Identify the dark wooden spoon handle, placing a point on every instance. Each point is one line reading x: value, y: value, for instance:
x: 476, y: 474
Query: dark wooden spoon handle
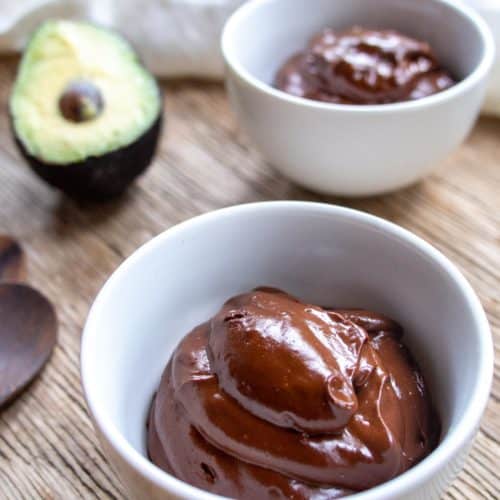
x: 12, y: 260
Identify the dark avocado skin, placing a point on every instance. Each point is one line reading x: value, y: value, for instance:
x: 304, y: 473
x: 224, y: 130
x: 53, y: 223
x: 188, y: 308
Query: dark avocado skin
x: 100, y: 178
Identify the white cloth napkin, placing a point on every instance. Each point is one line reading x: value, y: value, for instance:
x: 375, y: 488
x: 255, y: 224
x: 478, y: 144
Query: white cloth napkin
x: 174, y: 37
x: 490, y: 10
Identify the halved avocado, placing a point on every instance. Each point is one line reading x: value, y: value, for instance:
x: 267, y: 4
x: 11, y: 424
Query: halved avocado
x: 85, y: 113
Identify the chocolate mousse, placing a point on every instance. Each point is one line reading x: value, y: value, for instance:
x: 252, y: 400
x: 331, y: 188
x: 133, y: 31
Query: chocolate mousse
x: 363, y: 66
x: 275, y: 398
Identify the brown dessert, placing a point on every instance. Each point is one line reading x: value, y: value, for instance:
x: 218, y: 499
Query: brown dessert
x: 362, y: 66
x: 274, y: 398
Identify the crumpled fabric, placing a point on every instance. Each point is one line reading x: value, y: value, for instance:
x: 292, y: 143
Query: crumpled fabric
x: 490, y: 10
x: 175, y: 38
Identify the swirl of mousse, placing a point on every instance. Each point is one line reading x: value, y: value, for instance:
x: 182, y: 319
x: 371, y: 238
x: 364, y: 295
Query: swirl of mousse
x: 361, y: 66
x: 280, y: 399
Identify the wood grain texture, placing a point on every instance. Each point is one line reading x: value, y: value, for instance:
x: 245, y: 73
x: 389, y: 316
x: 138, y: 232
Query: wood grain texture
x: 47, y: 445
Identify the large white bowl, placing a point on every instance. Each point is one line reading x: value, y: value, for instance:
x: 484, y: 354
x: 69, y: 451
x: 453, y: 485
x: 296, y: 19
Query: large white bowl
x: 344, y: 149
x: 321, y: 253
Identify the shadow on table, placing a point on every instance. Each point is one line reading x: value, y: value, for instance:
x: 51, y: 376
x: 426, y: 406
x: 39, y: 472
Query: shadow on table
x: 392, y: 206
x: 72, y: 216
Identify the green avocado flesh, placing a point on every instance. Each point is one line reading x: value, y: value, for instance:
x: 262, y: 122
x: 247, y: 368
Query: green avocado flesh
x: 60, y: 56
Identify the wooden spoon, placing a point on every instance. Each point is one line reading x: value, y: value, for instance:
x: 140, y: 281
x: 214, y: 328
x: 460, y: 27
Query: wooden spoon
x: 12, y: 260
x: 28, y: 332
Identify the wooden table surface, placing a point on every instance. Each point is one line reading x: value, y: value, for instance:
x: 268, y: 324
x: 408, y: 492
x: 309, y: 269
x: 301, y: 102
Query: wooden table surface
x: 47, y: 445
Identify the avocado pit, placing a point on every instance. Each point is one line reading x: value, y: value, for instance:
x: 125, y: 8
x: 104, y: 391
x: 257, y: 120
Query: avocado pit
x: 81, y: 101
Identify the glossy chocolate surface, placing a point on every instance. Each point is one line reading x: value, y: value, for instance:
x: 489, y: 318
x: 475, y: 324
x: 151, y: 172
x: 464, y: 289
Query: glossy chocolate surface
x: 274, y: 398
x: 362, y: 66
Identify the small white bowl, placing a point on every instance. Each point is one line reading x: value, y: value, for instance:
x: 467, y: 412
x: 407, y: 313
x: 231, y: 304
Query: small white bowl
x: 344, y: 149
x: 321, y: 253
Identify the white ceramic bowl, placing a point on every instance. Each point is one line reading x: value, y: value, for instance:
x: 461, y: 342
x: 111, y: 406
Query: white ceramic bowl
x: 323, y: 254
x: 344, y: 149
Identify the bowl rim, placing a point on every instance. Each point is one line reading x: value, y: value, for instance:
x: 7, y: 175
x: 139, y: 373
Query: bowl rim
x: 463, y: 432
x: 481, y: 70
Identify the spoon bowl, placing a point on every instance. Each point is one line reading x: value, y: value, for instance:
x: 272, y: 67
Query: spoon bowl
x: 28, y: 333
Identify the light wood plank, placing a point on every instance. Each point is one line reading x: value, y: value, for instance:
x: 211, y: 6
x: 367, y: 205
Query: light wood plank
x: 47, y: 445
